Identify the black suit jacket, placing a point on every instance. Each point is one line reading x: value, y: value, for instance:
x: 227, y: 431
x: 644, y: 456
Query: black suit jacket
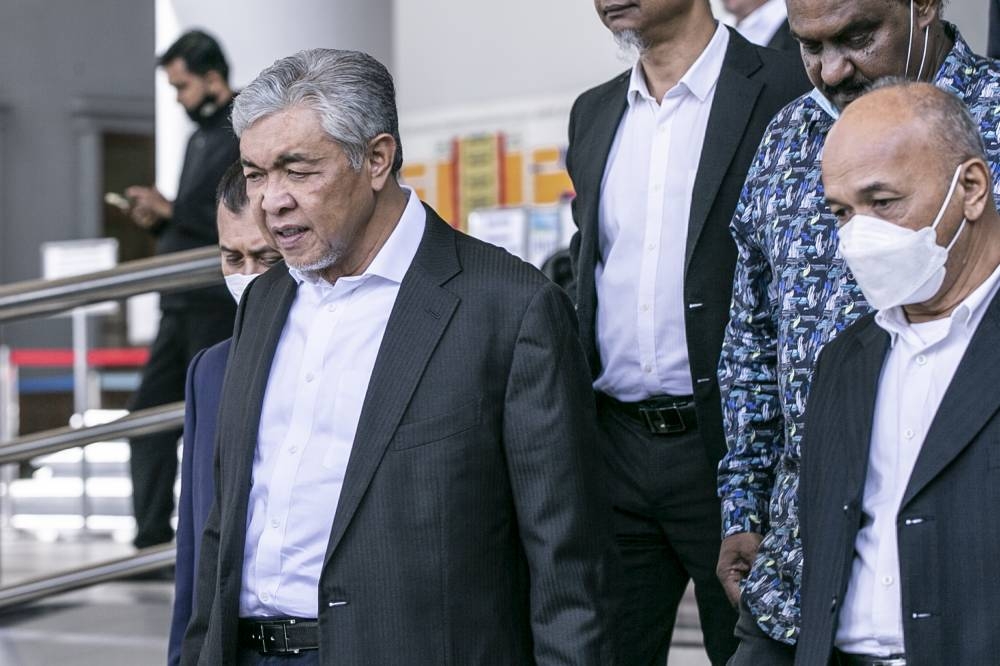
x: 947, y: 526
x: 471, y: 527
x: 783, y: 40
x: 754, y: 84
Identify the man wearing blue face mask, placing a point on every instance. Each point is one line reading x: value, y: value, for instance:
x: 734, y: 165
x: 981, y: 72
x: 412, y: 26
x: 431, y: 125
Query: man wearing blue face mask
x: 245, y: 255
x: 899, y: 464
x: 793, y: 292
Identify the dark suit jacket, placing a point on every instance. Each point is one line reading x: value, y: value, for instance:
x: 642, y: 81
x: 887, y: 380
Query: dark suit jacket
x: 204, y: 386
x: 782, y: 40
x: 947, y: 526
x: 471, y: 527
x: 754, y: 84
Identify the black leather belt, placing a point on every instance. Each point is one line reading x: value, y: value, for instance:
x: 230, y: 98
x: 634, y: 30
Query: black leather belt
x: 661, y: 415
x: 279, y: 635
x: 847, y: 659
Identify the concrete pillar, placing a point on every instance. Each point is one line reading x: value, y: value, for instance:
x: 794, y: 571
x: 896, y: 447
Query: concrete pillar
x: 255, y: 33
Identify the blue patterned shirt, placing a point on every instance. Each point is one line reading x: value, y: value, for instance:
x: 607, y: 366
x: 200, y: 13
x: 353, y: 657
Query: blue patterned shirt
x: 792, y: 294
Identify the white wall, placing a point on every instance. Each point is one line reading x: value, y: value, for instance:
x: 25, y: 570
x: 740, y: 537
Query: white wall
x: 971, y: 18
x: 255, y: 33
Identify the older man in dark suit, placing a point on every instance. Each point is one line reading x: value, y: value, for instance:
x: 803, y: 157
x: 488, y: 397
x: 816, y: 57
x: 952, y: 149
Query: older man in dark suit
x: 407, y: 470
x: 899, y: 484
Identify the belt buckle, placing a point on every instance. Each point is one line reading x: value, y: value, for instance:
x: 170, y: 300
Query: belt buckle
x: 264, y: 649
x: 658, y: 423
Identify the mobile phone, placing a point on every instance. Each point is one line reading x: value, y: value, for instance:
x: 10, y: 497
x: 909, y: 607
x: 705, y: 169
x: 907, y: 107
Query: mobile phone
x: 118, y: 201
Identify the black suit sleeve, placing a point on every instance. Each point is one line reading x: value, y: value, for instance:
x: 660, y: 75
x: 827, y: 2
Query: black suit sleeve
x: 184, y: 571
x: 550, y: 442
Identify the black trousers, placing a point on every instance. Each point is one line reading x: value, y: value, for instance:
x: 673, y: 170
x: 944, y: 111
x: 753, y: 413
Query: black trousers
x: 756, y: 647
x: 154, y: 457
x: 668, y: 529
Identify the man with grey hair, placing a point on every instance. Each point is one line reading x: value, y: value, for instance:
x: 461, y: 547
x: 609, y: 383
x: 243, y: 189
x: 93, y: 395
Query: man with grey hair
x: 898, y: 484
x: 406, y: 469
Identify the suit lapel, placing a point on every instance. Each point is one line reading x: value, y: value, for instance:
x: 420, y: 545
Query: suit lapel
x: 419, y: 318
x: 860, y: 392
x: 244, y: 385
x: 594, y: 147
x: 735, y: 96
x: 966, y: 407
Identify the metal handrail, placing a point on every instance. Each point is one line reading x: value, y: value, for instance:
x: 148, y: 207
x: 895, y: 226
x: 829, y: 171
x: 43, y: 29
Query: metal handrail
x: 146, y: 560
x: 178, y: 270
x: 141, y: 422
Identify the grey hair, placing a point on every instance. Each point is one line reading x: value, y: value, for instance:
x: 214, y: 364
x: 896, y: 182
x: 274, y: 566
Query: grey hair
x: 352, y: 92
x: 949, y: 122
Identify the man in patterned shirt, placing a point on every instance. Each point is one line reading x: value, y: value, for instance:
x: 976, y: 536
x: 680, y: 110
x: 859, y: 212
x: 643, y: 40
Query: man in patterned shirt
x: 793, y: 293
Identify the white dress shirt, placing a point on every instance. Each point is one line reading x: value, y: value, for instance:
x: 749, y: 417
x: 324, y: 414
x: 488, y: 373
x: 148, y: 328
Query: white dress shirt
x: 760, y: 25
x: 643, y: 220
x: 315, y: 390
x: 917, y: 371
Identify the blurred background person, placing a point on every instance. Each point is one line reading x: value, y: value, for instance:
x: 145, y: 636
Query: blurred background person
x: 192, y: 320
x: 763, y: 22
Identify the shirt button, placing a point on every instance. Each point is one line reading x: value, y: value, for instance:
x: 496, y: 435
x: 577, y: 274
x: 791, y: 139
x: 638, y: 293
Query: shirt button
x: 921, y: 360
x: 265, y: 597
x: 908, y: 434
x: 645, y: 308
x: 310, y: 376
x: 647, y: 369
x: 651, y: 247
x: 275, y: 523
x: 332, y: 307
x: 887, y: 580
x: 293, y: 449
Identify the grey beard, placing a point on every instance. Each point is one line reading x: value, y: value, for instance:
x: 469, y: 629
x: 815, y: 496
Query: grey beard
x: 331, y: 257
x: 630, y: 43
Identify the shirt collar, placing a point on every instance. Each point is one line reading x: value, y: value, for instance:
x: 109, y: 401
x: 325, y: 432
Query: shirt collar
x: 967, y: 315
x: 396, y: 255
x: 764, y: 20
x: 699, y: 80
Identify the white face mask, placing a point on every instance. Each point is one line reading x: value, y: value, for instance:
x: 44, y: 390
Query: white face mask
x: 237, y: 284
x: 894, y: 265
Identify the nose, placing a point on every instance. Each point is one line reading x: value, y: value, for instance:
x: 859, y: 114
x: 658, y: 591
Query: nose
x: 275, y: 198
x: 835, y: 68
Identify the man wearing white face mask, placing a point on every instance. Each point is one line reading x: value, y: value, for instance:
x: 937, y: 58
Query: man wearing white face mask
x: 245, y: 255
x: 793, y: 293
x: 898, y: 486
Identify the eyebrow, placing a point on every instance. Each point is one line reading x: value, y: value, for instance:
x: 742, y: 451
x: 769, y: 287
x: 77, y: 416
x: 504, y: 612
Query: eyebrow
x: 284, y: 160
x: 877, y: 187
x: 858, y: 25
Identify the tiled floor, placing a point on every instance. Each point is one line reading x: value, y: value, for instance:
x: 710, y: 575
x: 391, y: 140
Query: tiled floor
x: 126, y: 624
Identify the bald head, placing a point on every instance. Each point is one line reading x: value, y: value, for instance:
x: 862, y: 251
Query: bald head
x: 922, y: 111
